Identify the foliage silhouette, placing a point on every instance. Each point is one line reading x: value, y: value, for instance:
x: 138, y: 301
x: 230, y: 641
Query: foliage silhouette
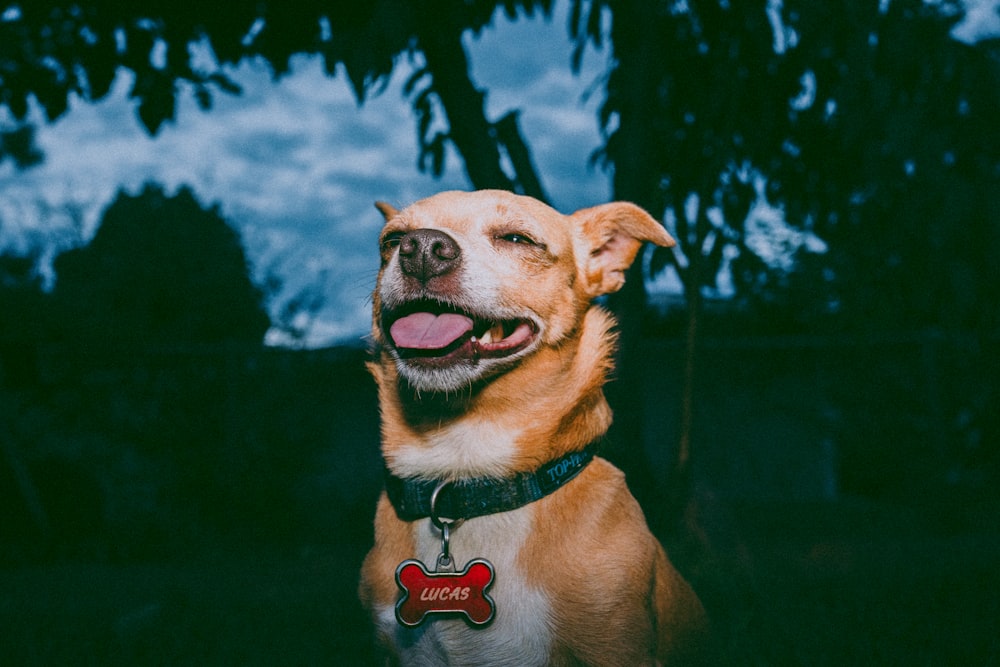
x: 896, y: 163
x: 21, y: 302
x: 844, y: 111
x: 54, y: 50
x: 19, y: 146
x: 694, y: 95
x: 873, y: 129
x: 869, y: 127
x: 160, y: 270
x: 703, y: 101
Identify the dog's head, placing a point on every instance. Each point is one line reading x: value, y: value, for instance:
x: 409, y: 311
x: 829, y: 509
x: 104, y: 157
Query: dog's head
x: 472, y: 283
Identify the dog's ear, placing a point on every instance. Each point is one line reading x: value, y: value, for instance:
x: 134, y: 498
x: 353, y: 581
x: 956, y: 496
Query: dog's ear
x: 388, y: 211
x: 610, y: 236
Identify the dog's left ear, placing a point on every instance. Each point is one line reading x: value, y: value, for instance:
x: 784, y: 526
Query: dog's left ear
x: 388, y: 211
x: 610, y: 236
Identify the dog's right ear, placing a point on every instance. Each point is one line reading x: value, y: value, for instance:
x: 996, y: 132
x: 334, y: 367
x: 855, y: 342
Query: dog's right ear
x: 611, y: 235
x: 388, y: 211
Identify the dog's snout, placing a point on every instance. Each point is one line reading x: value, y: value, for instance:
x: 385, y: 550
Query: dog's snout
x: 428, y: 253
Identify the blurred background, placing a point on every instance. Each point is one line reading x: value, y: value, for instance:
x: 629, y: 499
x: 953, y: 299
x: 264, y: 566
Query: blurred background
x: 806, y: 393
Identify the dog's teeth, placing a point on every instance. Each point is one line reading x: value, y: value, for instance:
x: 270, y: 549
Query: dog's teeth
x: 491, y: 335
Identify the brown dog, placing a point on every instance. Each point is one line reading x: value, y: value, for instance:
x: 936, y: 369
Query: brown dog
x: 490, y: 360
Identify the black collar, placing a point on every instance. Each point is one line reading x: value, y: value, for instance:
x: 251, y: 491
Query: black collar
x: 479, y: 496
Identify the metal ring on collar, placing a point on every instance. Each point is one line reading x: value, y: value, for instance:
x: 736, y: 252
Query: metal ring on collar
x: 440, y: 521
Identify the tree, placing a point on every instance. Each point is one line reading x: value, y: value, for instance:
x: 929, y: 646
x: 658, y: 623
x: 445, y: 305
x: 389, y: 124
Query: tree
x: 55, y: 49
x: 860, y: 120
x: 21, y: 299
x: 898, y: 168
x: 160, y: 270
x: 438, y: 27
x: 829, y: 105
x: 897, y: 165
x: 696, y: 97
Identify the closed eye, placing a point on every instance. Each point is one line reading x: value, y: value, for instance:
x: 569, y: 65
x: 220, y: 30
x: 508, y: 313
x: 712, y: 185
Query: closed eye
x: 390, y: 241
x: 517, y: 238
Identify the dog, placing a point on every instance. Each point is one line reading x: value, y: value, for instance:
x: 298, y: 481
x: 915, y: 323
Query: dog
x: 489, y: 356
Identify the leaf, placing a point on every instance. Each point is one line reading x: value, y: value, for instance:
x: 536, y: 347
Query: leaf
x: 358, y: 76
x: 413, y: 80
x: 432, y: 155
x: 16, y: 98
x: 51, y: 92
x: 713, y: 262
x: 594, y: 24
x: 157, y: 100
x: 575, y: 12
x: 139, y: 43
x: 438, y: 151
x: 99, y: 64
x: 19, y: 144
x: 737, y: 199
x: 225, y: 84
x: 203, y: 97
x: 424, y: 110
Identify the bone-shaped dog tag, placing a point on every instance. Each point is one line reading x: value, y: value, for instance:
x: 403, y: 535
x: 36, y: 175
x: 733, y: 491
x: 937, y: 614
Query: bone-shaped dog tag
x: 425, y: 593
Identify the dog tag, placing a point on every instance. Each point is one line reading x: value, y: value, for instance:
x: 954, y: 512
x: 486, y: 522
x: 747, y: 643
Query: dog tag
x: 427, y: 593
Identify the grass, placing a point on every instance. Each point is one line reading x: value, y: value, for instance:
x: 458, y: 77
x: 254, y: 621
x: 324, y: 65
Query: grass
x: 235, y: 611
x: 841, y: 584
x: 849, y: 584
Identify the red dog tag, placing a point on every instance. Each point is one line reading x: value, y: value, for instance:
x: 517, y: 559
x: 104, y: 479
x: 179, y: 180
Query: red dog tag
x: 444, y: 592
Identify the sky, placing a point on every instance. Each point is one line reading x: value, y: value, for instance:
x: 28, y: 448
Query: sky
x: 296, y: 166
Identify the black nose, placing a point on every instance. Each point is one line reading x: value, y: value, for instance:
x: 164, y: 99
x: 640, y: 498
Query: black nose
x: 428, y: 253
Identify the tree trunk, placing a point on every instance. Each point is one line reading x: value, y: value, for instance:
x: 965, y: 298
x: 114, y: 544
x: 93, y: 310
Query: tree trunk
x: 26, y: 486
x: 476, y: 139
x: 632, y: 181
x: 680, y: 484
x: 509, y: 134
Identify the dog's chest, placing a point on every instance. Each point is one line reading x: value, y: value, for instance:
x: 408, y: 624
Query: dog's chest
x: 519, y: 633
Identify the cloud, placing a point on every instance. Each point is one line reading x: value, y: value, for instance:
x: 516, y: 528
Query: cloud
x: 558, y: 119
x: 981, y: 21
x: 296, y: 164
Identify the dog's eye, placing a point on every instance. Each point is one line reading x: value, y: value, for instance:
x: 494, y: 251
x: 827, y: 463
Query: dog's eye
x: 517, y: 238
x: 390, y: 241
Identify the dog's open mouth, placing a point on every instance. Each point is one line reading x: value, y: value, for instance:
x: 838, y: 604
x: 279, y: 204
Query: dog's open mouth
x: 432, y: 330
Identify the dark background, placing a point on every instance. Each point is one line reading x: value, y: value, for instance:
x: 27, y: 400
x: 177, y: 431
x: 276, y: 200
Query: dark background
x: 820, y: 451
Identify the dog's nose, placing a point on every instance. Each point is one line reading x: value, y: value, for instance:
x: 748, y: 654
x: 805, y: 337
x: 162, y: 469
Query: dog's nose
x: 428, y: 253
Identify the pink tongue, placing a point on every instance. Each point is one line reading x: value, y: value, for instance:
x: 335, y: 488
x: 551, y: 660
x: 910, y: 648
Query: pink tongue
x: 427, y: 331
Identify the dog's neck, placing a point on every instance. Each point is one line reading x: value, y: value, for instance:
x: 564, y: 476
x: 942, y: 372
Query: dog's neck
x: 551, y: 403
